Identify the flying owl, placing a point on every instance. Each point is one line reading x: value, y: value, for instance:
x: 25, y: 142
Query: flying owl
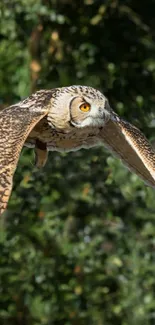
x: 68, y: 119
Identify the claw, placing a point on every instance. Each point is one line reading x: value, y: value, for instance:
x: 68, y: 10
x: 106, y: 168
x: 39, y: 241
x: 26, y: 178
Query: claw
x: 41, y: 154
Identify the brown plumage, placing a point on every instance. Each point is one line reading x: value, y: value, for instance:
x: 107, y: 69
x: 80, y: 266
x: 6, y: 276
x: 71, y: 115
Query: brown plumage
x: 67, y: 119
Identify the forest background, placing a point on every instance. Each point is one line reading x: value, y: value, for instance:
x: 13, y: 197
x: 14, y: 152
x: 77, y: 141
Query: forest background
x: 77, y: 242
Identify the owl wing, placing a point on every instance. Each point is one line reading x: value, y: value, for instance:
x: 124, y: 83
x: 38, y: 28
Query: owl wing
x: 130, y: 145
x: 16, y: 122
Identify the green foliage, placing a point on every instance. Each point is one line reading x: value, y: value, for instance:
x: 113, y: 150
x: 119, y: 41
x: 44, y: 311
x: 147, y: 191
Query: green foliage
x: 77, y: 241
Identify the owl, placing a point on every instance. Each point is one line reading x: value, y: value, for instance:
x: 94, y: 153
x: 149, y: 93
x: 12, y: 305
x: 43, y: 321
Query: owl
x: 68, y: 119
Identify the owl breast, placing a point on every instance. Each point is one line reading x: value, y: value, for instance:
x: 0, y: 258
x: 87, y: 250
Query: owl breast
x: 60, y: 140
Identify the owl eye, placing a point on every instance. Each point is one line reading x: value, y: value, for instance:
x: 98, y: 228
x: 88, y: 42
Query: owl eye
x: 85, y: 107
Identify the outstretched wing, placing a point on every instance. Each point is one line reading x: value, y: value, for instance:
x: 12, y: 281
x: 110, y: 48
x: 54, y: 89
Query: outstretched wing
x: 16, y: 122
x: 129, y: 144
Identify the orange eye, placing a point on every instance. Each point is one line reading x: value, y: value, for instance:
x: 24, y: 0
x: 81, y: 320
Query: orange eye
x: 85, y: 107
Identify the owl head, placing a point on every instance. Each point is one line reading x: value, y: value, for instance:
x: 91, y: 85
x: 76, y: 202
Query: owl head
x: 78, y: 106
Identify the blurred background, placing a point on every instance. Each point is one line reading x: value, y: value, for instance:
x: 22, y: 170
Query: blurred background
x: 77, y: 242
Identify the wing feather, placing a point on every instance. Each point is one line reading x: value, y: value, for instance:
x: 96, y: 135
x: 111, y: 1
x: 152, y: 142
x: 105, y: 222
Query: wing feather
x: 16, y: 122
x: 131, y: 146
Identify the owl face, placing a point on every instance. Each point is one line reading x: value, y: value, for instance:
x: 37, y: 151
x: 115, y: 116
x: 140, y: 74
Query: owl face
x: 79, y: 107
x: 86, y: 111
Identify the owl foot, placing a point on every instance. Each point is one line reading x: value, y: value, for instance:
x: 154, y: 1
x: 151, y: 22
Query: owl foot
x: 41, y: 154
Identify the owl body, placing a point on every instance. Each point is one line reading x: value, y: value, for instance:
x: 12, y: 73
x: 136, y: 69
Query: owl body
x: 57, y: 140
x: 69, y: 129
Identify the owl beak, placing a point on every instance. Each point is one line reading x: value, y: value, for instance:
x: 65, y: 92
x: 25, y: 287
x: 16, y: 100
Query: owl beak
x: 105, y: 111
x: 107, y: 106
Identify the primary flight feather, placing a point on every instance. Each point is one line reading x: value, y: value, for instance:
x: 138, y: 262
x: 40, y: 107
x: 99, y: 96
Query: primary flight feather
x: 68, y: 118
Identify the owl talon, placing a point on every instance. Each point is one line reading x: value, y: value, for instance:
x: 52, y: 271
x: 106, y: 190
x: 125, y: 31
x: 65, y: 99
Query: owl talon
x: 41, y: 154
